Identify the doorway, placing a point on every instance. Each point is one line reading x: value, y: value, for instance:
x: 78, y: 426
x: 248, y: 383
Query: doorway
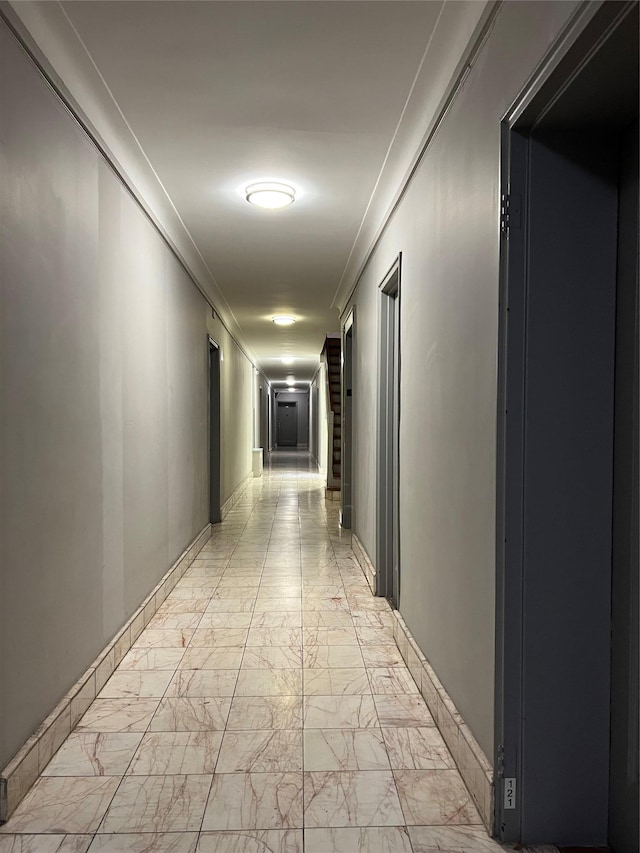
x: 287, y: 426
x: 567, y: 525
x: 214, y: 432
x: 388, y: 546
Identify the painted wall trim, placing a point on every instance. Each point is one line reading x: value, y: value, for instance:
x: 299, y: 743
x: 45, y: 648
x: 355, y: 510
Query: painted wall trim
x: 345, y: 291
x: 20, y: 32
x: 578, y: 20
x: 28, y: 763
x: 472, y: 763
x: 237, y: 493
x: 366, y: 563
x: 556, y: 53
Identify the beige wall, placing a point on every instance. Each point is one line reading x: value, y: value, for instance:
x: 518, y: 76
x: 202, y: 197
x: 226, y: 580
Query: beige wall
x: 447, y: 229
x: 103, y: 402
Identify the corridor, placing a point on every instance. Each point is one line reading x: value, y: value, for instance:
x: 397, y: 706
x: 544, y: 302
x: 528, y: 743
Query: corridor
x: 265, y: 708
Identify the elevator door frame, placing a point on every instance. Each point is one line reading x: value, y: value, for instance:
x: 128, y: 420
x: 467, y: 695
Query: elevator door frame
x: 588, y: 29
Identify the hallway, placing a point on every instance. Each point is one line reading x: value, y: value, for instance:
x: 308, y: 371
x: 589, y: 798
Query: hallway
x: 265, y: 708
x: 408, y: 231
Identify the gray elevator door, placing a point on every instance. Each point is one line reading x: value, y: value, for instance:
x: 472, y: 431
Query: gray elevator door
x: 287, y: 424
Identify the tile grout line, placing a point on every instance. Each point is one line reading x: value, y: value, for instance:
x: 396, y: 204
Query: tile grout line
x: 206, y: 802
x: 302, y: 684
x: 350, y: 591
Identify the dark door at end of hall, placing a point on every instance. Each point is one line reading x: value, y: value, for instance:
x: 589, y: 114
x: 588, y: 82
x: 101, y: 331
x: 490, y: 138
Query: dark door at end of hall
x: 287, y: 425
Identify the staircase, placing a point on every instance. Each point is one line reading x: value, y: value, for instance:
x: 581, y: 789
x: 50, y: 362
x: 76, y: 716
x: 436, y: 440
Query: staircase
x: 332, y: 356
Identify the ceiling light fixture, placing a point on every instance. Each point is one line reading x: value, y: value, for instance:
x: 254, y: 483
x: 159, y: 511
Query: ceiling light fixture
x: 283, y: 320
x: 270, y: 195
x: 287, y: 360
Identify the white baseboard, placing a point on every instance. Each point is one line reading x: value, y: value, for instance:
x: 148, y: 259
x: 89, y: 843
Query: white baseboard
x: 28, y: 763
x: 473, y: 765
x: 229, y: 504
x: 365, y: 562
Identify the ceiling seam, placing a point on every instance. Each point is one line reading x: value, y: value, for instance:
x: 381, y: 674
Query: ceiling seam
x: 65, y: 98
x: 388, y: 152
x: 143, y: 152
x: 453, y: 91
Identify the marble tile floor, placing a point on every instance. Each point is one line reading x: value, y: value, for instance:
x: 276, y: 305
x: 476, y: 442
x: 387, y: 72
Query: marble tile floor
x: 265, y: 709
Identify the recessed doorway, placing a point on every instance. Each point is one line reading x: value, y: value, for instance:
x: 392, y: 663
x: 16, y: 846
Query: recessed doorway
x: 287, y: 425
x: 388, y: 487
x: 214, y: 432
x: 567, y: 535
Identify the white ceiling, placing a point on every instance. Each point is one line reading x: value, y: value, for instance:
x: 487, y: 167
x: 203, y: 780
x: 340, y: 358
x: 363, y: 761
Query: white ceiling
x: 219, y: 94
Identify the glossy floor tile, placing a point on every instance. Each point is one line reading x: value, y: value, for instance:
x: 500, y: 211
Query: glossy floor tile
x: 265, y: 708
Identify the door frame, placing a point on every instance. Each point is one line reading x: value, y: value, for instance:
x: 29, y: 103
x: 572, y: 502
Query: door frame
x: 215, y: 459
x: 347, y: 514
x: 388, y: 428
x: 583, y: 34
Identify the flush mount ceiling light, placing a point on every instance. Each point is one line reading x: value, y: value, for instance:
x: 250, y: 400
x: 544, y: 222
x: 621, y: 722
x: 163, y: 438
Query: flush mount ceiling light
x: 283, y: 320
x: 270, y: 195
x: 287, y: 360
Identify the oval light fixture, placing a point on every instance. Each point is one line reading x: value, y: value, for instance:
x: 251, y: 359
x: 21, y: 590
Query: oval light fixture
x: 270, y: 195
x: 283, y: 320
x: 287, y: 360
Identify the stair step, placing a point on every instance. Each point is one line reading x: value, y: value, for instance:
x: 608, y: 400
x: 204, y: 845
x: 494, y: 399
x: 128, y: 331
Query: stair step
x: 333, y: 357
